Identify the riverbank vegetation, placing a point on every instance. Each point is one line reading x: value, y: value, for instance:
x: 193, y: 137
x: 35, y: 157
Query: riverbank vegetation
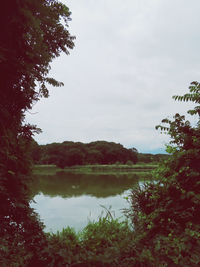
x: 95, y: 169
x: 101, y: 243
x: 70, y: 153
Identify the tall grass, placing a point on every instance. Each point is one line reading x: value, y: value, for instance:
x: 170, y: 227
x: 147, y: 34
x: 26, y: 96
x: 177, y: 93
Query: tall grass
x: 100, y: 243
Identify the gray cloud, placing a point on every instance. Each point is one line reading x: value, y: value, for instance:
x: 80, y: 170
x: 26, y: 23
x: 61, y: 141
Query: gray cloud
x: 130, y: 58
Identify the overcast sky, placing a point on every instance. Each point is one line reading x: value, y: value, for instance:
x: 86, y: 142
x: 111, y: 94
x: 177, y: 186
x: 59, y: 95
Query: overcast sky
x: 130, y: 57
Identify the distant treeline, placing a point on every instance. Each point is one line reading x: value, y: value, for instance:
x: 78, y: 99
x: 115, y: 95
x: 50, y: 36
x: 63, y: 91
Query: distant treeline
x: 71, y: 153
x: 150, y: 158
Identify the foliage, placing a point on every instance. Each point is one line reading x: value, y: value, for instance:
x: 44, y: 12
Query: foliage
x: 77, y: 153
x: 31, y: 36
x: 35, y: 152
x: 99, y: 152
x: 152, y: 158
x: 98, y: 244
x: 166, y: 214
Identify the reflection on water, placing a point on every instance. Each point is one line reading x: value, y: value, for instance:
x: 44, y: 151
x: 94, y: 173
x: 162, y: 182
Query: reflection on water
x: 73, y: 199
x: 72, y: 184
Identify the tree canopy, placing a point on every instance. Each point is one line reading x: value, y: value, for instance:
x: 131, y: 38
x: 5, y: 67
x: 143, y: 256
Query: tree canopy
x: 33, y: 33
x: 77, y: 153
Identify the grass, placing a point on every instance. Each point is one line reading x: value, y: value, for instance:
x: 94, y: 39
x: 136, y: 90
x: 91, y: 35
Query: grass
x: 99, y: 244
x: 96, y: 169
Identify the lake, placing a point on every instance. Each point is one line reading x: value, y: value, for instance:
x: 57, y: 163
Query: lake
x: 72, y: 199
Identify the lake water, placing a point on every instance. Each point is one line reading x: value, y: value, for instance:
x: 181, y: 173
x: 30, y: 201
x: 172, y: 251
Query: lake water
x: 69, y: 199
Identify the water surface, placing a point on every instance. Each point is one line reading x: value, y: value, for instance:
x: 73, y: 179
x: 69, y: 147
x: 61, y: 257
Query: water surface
x: 70, y: 199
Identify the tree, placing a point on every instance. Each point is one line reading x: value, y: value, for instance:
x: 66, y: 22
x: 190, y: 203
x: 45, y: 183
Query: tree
x: 32, y: 35
x: 93, y: 156
x: 74, y: 157
x: 166, y: 214
x: 36, y: 152
x: 100, y: 152
x: 133, y: 155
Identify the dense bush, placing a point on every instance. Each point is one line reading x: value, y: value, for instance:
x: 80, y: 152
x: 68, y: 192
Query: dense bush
x: 166, y: 214
x: 98, y: 244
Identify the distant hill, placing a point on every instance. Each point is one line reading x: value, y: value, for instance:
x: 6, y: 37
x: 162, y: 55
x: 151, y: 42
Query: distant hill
x: 150, y: 158
x: 70, y: 153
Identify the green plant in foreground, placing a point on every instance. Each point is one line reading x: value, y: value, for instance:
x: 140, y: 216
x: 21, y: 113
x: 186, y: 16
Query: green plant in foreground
x: 98, y: 244
x: 27, y: 47
x: 166, y: 214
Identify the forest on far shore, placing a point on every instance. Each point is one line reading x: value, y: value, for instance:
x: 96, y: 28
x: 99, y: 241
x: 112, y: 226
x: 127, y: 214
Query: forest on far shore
x: 70, y: 153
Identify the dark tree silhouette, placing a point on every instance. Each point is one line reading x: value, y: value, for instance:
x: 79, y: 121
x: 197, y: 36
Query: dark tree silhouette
x: 32, y: 35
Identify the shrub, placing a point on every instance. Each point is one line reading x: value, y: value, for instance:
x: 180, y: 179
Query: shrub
x: 166, y: 214
x: 98, y: 244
